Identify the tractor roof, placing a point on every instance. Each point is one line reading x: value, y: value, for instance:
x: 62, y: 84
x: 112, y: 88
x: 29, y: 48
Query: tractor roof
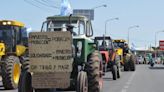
x: 66, y: 18
x: 101, y: 38
x: 12, y: 23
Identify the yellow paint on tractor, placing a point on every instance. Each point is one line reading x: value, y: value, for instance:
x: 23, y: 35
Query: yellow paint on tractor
x: 20, y: 50
x: 16, y: 72
x: 120, y: 53
x: 2, y: 49
x: 120, y: 50
x: 12, y: 23
x: 119, y: 40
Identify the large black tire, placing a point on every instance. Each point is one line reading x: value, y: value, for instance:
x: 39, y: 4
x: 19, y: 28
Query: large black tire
x: 126, y: 66
x: 126, y: 62
x: 104, y: 68
x: 11, y: 69
x: 93, y: 72
x: 82, y: 82
x: 25, y: 84
x: 132, y: 63
x: 118, y: 71
x: 114, y: 72
x: 152, y: 64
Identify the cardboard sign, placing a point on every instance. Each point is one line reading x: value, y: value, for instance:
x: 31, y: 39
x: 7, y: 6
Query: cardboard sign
x: 50, y: 80
x: 50, y: 51
x: 51, y: 59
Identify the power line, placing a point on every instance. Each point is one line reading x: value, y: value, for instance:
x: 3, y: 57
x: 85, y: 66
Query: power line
x: 35, y: 5
x: 43, y: 3
x: 52, y: 2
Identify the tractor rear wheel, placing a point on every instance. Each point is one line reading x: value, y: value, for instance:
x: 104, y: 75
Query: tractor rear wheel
x: 94, y: 73
x: 114, y: 72
x: 82, y: 82
x: 132, y: 63
x: 11, y: 70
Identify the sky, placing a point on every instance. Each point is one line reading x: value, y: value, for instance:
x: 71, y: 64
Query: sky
x: 147, y: 14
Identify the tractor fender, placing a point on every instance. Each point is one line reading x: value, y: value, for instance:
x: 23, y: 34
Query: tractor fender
x: 105, y: 56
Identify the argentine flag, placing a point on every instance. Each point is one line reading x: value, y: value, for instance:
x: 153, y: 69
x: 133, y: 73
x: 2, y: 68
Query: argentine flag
x: 133, y: 47
x: 65, y: 8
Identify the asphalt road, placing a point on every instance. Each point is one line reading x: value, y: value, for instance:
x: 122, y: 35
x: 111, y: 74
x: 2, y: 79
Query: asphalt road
x: 144, y: 79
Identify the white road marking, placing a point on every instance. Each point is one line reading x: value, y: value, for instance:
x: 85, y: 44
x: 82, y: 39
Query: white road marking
x: 128, y: 83
x: 123, y: 90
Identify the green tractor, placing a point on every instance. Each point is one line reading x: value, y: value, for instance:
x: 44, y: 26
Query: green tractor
x: 62, y: 57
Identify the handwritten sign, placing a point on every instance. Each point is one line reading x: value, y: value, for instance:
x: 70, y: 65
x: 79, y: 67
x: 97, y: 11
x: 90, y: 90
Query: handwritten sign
x: 50, y: 51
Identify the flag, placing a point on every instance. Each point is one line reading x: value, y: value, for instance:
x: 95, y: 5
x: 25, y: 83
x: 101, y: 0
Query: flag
x: 65, y: 8
x: 133, y: 47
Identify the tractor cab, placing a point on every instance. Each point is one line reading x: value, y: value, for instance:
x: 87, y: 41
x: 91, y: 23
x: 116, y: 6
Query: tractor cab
x: 12, y: 33
x: 119, y: 43
x: 77, y: 25
x: 104, y: 43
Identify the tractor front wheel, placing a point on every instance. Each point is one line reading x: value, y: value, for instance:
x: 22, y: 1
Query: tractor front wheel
x: 11, y: 70
x: 82, y: 82
x: 114, y: 72
x: 118, y: 71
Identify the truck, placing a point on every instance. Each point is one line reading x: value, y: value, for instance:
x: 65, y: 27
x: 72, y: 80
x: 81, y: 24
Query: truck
x: 62, y: 57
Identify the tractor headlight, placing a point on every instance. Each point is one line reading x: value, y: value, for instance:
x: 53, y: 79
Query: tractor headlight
x: 9, y: 23
x: 4, y: 23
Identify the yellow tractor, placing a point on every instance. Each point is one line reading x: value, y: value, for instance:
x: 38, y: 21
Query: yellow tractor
x: 119, y: 44
x: 128, y: 59
x: 13, y: 49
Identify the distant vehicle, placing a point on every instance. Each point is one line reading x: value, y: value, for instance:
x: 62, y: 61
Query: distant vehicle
x: 140, y: 60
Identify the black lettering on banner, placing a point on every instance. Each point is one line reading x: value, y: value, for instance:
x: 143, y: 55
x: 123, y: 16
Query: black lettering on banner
x: 39, y: 42
x: 45, y: 67
x: 67, y: 51
x: 63, y: 67
x: 33, y: 67
x: 62, y: 57
x: 59, y: 39
x: 38, y: 37
x: 54, y: 67
x: 40, y: 55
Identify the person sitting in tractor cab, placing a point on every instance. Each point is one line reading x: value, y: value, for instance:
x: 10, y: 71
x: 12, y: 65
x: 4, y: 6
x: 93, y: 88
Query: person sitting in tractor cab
x: 125, y: 49
x: 104, y: 43
x: 103, y: 46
